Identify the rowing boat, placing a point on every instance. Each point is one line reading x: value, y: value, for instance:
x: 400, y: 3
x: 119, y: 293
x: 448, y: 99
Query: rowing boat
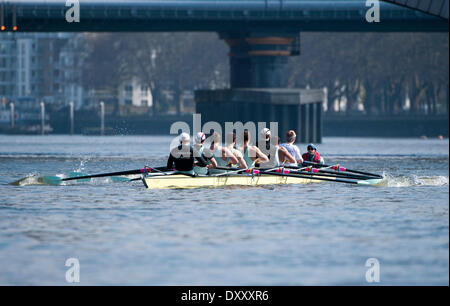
x: 160, y: 178
x: 182, y: 181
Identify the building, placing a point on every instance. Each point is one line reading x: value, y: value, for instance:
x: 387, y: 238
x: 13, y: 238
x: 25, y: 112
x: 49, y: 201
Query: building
x: 135, y: 98
x: 134, y: 93
x: 38, y: 67
x: 130, y: 98
x: 8, y: 65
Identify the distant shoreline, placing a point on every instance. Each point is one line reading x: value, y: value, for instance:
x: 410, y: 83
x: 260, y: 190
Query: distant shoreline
x: 333, y: 126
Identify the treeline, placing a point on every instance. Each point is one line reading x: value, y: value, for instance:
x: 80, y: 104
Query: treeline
x: 172, y: 62
x: 371, y: 73
x: 379, y: 73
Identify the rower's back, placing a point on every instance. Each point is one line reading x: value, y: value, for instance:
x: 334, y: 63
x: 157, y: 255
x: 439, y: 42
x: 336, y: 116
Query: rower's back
x: 292, y: 148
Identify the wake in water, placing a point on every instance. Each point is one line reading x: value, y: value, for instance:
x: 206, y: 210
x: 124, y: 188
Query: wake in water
x: 414, y: 181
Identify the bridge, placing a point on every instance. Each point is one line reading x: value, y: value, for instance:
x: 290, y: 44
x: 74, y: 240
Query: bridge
x: 224, y: 15
x: 261, y: 35
x: 432, y: 7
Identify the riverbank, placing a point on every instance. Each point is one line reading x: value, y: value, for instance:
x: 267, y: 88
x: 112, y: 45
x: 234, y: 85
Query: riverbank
x: 340, y: 126
x: 386, y: 126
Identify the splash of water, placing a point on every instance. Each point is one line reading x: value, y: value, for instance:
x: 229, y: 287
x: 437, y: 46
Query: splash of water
x: 414, y: 180
x: 82, y: 165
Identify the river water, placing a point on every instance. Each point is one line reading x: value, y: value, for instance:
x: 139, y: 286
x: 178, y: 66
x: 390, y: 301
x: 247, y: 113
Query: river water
x: 316, y: 234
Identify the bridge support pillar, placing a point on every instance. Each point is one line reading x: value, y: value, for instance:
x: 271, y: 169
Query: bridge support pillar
x: 259, y: 81
x: 291, y: 109
x: 259, y: 60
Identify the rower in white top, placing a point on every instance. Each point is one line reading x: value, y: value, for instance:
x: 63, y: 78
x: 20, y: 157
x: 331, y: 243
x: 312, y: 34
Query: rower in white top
x: 221, y: 155
x: 199, y: 141
x: 279, y: 156
x: 292, y: 148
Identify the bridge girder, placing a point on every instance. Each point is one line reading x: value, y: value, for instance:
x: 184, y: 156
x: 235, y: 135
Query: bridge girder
x: 219, y: 16
x: 433, y: 7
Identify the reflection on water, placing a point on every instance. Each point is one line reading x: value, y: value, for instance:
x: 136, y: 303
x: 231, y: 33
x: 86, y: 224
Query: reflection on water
x: 293, y: 234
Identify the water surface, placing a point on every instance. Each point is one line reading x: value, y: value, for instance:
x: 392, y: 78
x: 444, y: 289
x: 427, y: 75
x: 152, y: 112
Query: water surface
x: 315, y: 234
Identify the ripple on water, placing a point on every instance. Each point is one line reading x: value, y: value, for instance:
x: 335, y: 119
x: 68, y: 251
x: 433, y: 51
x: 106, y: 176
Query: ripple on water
x: 284, y: 235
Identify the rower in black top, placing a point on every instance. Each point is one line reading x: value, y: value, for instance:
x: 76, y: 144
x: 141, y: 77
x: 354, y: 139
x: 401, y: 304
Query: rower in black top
x: 183, y: 157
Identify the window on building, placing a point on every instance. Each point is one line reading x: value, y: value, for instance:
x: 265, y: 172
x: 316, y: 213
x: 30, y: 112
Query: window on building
x: 128, y: 88
x: 144, y: 102
x: 128, y: 102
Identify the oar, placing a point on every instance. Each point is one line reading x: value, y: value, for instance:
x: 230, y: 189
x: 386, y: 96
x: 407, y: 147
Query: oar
x: 232, y: 170
x: 55, y: 180
x: 161, y: 173
x: 329, y: 173
x: 313, y: 177
x: 337, y: 168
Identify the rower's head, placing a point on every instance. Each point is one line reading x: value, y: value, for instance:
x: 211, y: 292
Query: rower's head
x: 215, y: 141
x: 312, y: 149
x: 291, y: 136
x: 265, y: 134
x: 185, y: 139
x: 200, y: 138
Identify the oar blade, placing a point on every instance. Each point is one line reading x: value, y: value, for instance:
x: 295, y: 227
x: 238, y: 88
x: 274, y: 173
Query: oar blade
x: 50, y: 180
x: 79, y: 174
x: 119, y: 179
x: 371, y: 182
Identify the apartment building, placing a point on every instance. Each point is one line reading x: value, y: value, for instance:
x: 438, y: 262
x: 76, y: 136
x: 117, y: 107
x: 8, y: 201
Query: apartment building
x: 38, y: 67
x: 134, y: 93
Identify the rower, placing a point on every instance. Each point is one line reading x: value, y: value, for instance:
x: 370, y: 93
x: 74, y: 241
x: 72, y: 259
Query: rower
x: 199, y: 141
x: 183, y: 157
x: 292, y: 148
x: 264, y: 134
x: 250, y: 153
x: 221, y: 155
x: 231, y: 145
x: 277, y: 154
x: 264, y: 146
x: 312, y: 155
